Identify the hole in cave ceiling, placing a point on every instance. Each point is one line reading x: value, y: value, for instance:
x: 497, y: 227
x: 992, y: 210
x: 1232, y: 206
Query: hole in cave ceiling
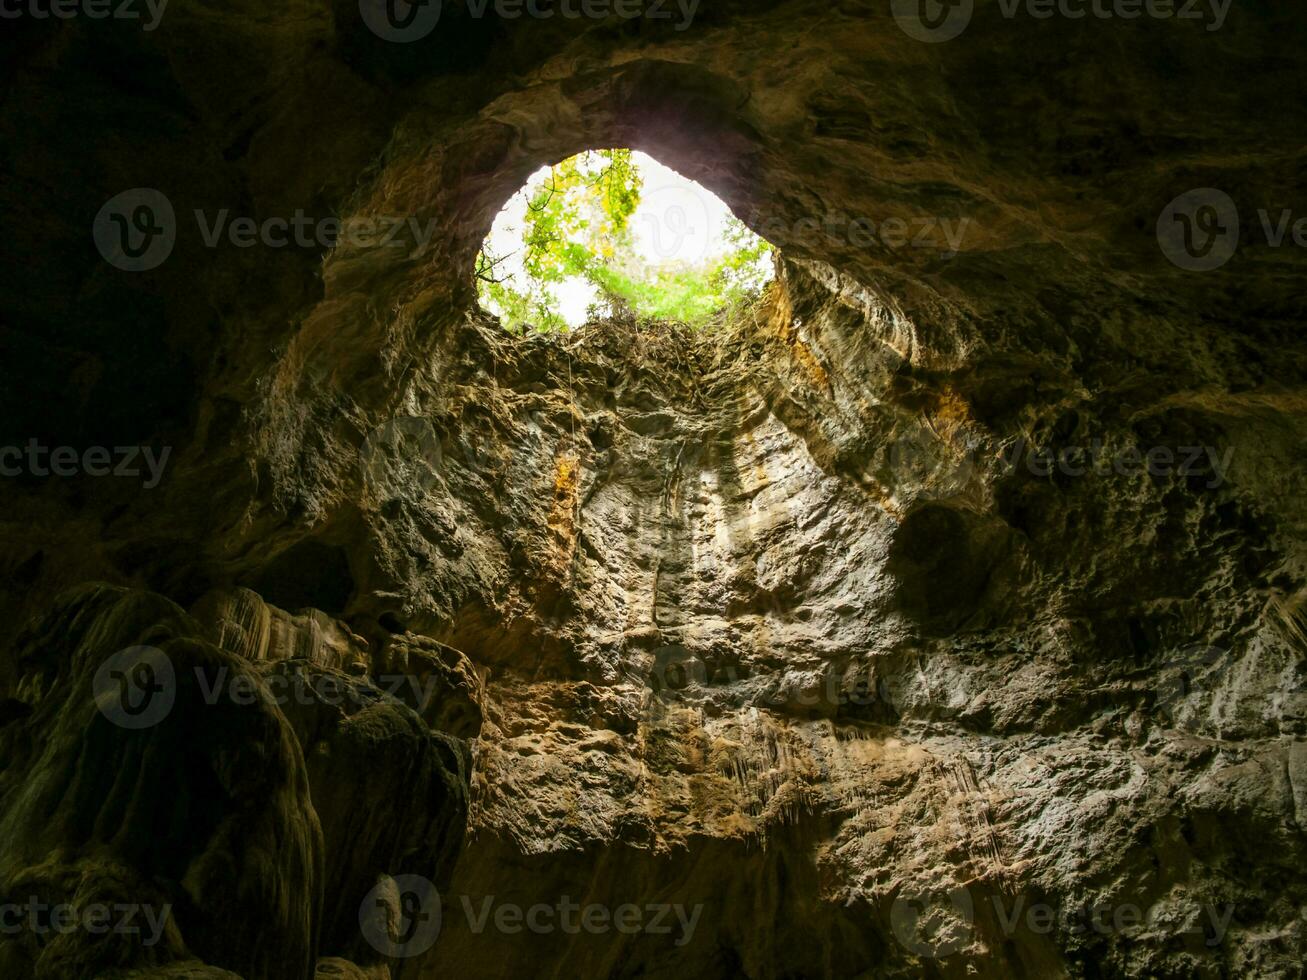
x: 614, y: 234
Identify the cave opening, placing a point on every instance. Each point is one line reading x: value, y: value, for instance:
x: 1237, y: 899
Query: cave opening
x: 926, y: 597
x: 614, y: 234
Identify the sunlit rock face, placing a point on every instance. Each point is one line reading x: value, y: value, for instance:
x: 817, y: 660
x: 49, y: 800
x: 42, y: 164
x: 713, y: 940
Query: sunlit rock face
x: 943, y: 618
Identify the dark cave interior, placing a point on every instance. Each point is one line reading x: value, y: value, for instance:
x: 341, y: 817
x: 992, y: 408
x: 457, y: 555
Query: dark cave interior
x: 943, y: 617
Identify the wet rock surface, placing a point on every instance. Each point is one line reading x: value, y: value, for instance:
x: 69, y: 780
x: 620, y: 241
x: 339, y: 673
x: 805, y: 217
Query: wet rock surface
x: 944, y: 617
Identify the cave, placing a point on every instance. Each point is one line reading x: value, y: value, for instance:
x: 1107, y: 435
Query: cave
x: 939, y: 613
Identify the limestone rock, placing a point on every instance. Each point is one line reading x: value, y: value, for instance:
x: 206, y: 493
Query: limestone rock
x: 863, y: 624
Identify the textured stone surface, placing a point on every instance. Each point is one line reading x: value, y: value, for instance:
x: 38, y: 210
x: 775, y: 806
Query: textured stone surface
x: 206, y: 811
x: 250, y: 814
x: 763, y: 621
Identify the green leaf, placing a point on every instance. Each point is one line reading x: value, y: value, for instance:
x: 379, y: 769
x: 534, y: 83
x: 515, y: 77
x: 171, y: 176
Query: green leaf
x: 577, y: 227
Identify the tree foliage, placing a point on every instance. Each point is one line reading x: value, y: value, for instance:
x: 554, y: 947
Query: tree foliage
x: 577, y: 226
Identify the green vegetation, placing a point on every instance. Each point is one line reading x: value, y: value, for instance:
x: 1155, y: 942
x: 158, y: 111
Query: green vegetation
x: 577, y: 226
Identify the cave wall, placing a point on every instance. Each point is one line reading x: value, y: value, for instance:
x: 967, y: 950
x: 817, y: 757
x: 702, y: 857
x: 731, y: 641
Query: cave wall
x: 767, y: 621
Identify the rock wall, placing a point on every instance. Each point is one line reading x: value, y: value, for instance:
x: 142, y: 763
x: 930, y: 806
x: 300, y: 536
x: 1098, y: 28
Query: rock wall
x: 797, y: 635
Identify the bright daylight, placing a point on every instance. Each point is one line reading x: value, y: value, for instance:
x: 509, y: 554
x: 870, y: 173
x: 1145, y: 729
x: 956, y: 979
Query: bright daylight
x: 615, y: 234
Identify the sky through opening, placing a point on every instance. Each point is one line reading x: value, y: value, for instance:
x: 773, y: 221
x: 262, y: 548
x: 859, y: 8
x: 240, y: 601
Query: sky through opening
x: 612, y: 232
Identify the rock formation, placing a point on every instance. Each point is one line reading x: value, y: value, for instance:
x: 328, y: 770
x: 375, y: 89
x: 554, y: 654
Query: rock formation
x: 942, y: 618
